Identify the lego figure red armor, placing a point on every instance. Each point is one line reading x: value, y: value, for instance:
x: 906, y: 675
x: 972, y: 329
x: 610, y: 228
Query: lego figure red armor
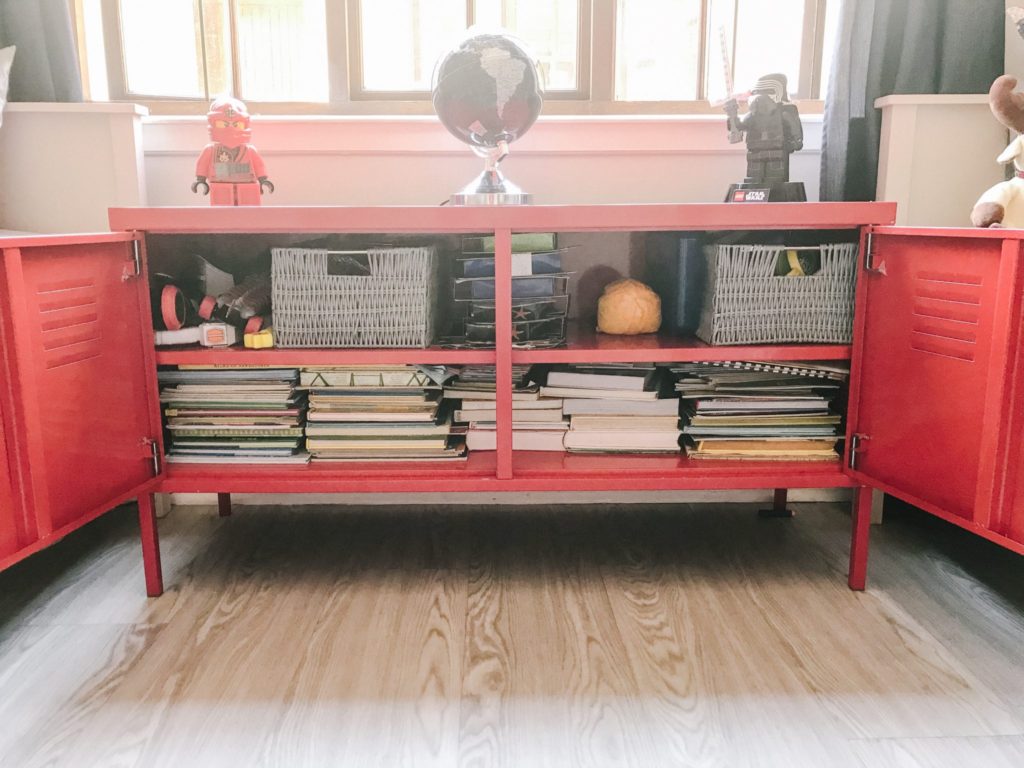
x: 230, y: 169
x: 773, y: 132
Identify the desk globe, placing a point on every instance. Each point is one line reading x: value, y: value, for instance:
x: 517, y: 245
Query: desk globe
x: 487, y: 93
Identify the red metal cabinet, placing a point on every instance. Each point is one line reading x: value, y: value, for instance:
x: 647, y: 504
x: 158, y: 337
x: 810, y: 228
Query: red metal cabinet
x: 936, y: 320
x: 10, y: 539
x: 80, y: 376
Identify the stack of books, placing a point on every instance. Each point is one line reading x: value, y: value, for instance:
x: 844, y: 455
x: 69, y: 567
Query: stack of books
x: 377, y: 413
x: 537, y: 423
x: 540, y: 295
x: 233, y: 415
x: 616, y: 408
x: 760, y: 411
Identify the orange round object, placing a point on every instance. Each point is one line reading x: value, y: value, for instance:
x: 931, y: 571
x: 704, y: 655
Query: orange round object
x: 628, y: 308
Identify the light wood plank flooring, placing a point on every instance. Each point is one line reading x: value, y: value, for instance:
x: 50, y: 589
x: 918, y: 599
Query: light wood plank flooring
x: 658, y: 635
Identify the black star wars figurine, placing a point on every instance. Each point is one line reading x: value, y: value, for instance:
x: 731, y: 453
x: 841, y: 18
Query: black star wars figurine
x: 773, y: 132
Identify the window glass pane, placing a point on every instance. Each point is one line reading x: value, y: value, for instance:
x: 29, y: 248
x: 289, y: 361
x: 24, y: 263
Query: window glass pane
x: 768, y: 39
x: 550, y: 28
x: 402, y: 40
x: 282, y: 50
x: 657, y: 52
x: 720, y: 55
x: 829, y: 43
x: 162, y: 48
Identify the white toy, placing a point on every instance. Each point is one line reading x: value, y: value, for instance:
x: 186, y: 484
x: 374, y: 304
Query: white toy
x: 1003, y: 204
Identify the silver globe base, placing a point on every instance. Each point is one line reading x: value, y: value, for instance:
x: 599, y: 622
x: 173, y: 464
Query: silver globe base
x: 491, y: 188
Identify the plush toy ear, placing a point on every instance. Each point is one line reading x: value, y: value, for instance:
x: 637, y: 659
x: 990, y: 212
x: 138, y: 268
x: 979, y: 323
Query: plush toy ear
x: 1012, y: 152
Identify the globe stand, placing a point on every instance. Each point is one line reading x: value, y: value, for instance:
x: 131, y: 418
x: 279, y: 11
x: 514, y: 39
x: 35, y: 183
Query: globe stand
x: 491, y: 187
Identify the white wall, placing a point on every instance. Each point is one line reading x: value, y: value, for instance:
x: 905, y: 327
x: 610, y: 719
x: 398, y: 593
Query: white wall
x: 414, y: 161
x: 63, y: 165
x: 938, y: 154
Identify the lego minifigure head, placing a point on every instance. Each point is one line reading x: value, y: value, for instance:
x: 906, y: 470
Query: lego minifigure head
x: 773, y: 86
x: 228, y: 120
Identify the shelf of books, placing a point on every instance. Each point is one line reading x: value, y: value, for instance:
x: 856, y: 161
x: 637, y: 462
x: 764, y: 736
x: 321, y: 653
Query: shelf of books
x: 610, y: 426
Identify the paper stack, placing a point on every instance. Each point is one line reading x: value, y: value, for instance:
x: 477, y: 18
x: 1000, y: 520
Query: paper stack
x: 375, y: 413
x: 233, y: 415
x: 760, y: 411
x: 616, y: 408
x: 537, y: 423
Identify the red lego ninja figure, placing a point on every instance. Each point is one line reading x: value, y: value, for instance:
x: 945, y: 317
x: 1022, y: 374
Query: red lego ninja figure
x: 230, y: 169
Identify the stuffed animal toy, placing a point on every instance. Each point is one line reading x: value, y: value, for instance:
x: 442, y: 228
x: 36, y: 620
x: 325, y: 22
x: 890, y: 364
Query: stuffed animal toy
x: 1003, y: 204
x: 628, y: 308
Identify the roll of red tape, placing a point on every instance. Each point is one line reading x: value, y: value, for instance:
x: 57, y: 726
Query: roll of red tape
x: 206, y: 307
x: 172, y: 307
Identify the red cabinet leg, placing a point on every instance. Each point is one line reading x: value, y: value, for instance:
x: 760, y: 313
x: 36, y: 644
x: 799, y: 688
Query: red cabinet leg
x: 778, y: 505
x: 224, y: 504
x: 859, y: 538
x: 150, y: 546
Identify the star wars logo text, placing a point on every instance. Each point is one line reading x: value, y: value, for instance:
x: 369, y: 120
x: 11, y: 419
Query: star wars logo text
x: 751, y: 195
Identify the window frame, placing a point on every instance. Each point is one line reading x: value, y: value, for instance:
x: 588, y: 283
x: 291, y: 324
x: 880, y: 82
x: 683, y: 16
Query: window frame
x: 594, y: 94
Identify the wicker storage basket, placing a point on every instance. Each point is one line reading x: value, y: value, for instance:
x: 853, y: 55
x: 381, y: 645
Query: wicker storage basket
x: 393, y: 306
x: 746, y: 303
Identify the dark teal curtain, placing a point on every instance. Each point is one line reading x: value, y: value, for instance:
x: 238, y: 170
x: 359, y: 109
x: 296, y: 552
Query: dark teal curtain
x: 46, y: 64
x: 899, y: 46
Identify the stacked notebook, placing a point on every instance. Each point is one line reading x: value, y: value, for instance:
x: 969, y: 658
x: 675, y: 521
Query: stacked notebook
x: 374, y: 413
x: 760, y: 411
x: 233, y: 415
x: 537, y: 423
x: 540, y: 296
x: 616, y: 408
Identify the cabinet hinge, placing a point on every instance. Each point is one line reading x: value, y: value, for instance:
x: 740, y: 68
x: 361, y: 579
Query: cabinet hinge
x: 856, y: 441
x: 153, y: 451
x: 134, y: 268
x: 869, y: 256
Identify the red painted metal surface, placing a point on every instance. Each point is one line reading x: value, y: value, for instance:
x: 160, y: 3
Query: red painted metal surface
x: 292, y: 357
x: 857, y: 576
x: 503, y: 331
x: 83, y: 519
x: 930, y: 359
x: 532, y: 471
x: 81, y: 374
x: 537, y: 218
x: 10, y: 540
x: 586, y: 345
x: 1007, y: 518
x: 150, y: 546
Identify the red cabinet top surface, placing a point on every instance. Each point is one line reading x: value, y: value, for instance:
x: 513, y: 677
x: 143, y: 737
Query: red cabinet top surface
x: 696, y: 216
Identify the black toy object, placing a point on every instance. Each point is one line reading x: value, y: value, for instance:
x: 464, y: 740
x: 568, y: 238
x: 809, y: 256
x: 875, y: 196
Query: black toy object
x: 773, y: 132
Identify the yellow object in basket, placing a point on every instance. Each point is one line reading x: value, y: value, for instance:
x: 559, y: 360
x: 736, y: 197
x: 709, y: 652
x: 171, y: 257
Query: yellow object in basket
x: 261, y: 340
x: 796, y: 269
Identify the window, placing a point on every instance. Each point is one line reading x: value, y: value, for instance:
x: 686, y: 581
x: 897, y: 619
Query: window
x: 377, y: 56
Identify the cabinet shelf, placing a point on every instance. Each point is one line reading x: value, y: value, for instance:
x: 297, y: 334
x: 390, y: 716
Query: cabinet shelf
x: 585, y: 345
x: 296, y: 357
x: 532, y: 471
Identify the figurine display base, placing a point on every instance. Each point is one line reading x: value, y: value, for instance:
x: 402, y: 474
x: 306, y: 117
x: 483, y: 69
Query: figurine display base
x: 491, y: 188
x: 491, y: 198
x: 781, y: 192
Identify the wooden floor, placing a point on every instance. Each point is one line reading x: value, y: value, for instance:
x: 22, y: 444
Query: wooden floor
x: 620, y: 636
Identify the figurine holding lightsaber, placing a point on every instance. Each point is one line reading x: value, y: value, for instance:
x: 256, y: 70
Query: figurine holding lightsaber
x: 772, y: 131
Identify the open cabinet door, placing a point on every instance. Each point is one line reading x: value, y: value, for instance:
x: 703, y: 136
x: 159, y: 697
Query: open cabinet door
x: 10, y: 511
x: 81, y: 375
x: 930, y: 367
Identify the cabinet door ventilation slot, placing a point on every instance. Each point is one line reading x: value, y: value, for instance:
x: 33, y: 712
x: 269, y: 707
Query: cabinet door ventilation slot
x: 69, y: 321
x: 947, y: 310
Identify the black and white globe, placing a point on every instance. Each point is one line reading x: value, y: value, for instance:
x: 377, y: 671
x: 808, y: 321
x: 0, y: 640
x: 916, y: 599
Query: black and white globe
x: 487, y: 90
